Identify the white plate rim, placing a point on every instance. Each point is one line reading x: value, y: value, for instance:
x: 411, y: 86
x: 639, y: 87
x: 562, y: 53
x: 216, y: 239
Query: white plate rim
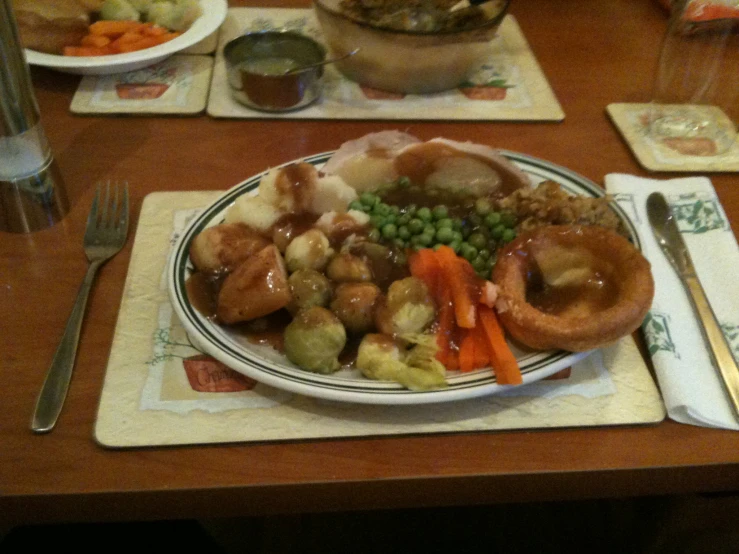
x: 219, y: 344
x: 212, y: 16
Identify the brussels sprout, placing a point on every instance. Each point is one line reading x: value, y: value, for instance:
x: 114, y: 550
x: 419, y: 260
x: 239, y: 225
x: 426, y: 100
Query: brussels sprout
x: 346, y: 267
x: 407, y: 308
x: 314, y: 340
x: 176, y: 15
x: 118, y: 10
x: 311, y: 250
x: 382, y: 357
x: 308, y: 288
x: 354, y: 304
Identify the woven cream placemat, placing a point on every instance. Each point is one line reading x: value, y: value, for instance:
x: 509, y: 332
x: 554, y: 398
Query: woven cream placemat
x: 515, y: 86
x: 160, y: 390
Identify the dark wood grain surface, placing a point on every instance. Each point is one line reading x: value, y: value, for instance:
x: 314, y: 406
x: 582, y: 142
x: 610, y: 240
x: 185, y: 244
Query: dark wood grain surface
x: 593, y: 53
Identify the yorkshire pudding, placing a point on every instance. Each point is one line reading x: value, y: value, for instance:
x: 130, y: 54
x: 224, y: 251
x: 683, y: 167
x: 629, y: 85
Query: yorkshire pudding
x: 572, y: 287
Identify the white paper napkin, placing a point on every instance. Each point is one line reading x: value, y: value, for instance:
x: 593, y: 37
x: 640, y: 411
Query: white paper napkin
x: 692, y: 388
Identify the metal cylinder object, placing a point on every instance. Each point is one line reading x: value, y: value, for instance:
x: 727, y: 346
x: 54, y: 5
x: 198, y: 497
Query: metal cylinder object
x: 32, y: 195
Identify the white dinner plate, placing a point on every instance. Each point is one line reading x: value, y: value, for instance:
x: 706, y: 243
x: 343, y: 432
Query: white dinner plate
x: 270, y: 367
x: 213, y: 14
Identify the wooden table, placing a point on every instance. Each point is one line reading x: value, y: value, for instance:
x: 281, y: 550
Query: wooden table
x: 593, y: 53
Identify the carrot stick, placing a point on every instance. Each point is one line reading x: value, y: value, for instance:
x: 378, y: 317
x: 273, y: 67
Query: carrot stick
x: 424, y: 265
x: 505, y: 365
x: 135, y: 45
x: 467, y: 351
x: 446, y: 330
x: 456, y: 278
x: 96, y: 41
x: 110, y: 28
x: 482, y: 351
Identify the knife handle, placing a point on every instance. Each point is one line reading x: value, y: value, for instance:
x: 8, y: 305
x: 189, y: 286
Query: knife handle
x: 718, y: 347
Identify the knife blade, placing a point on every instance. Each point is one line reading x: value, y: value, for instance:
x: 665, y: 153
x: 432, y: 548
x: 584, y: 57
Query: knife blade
x: 667, y: 234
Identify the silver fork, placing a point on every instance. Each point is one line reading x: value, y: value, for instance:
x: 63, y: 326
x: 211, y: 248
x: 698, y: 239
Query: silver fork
x: 105, y: 235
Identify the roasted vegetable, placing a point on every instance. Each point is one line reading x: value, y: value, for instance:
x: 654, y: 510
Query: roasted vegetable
x: 354, y: 304
x: 347, y: 268
x: 314, y: 340
x: 308, y: 288
x: 407, y: 308
x: 411, y: 363
x: 311, y: 250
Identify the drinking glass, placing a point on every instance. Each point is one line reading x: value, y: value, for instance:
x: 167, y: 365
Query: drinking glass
x: 695, y: 106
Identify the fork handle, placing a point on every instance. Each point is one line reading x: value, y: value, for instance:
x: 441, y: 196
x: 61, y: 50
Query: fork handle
x: 54, y: 391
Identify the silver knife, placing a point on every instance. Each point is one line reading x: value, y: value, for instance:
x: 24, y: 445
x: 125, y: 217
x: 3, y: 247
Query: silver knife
x: 671, y: 241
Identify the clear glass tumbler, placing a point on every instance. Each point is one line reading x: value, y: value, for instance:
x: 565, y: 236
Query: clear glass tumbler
x: 695, y: 105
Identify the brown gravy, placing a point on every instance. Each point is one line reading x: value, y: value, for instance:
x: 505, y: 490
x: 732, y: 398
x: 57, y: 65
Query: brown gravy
x: 419, y: 161
x: 595, y: 295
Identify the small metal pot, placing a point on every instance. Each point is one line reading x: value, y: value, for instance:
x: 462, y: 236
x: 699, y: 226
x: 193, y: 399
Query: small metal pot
x: 257, y: 64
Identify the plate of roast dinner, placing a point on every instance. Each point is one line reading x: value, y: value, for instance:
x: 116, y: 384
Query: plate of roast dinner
x: 400, y: 271
x: 100, y: 37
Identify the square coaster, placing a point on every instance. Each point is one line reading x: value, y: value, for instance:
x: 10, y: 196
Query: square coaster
x: 631, y: 121
x: 509, y: 85
x: 177, y: 85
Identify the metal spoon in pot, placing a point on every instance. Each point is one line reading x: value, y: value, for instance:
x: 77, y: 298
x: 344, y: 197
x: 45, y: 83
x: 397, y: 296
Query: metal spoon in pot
x: 324, y: 62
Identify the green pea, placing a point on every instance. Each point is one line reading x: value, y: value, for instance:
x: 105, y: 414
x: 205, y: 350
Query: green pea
x: 429, y: 229
x: 440, y: 212
x: 508, y: 219
x: 475, y: 220
x: 445, y: 235
x: 477, y: 240
x: 400, y: 243
x: 457, y: 223
x: 468, y: 251
x: 356, y: 205
x: 389, y: 231
x: 403, y: 232
x: 390, y: 218
x: 415, y: 226
x: 445, y: 222
x: 426, y: 240
x: 381, y: 209
x: 411, y: 209
x: 404, y: 219
x: 377, y: 221
x: 424, y: 214
x: 508, y: 235
x: 479, y: 264
x: 457, y: 236
x: 483, y: 206
x: 415, y: 240
x: 497, y: 232
x: 484, y: 253
x: 395, y: 210
x: 456, y: 245
x: 492, y: 220
x: 368, y: 199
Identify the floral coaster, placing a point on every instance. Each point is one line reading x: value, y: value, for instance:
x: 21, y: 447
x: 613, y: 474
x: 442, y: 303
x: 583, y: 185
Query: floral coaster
x: 177, y: 85
x: 685, y: 155
x: 509, y: 85
x: 161, y: 389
